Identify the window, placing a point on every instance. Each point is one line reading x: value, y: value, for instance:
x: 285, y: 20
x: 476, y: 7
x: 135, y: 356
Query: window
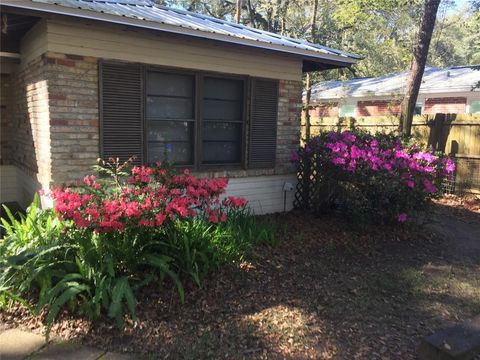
x: 475, y: 107
x: 347, y: 110
x: 170, y: 115
x: 175, y: 129
x: 418, y: 108
x: 191, y: 118
x: 222, y: 121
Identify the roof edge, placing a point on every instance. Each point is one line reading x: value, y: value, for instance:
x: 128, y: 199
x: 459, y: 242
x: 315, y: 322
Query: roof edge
x: 333, y: 60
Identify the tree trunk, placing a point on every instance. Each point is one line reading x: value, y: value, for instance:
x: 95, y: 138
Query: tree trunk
x: 308, y: 86
x: 238, y: 11
x: 251, y: 14
x: 418, y: 66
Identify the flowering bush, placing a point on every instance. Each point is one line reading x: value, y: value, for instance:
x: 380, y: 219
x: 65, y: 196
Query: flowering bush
x: 148, y: 198
x: 373, y: 178
x: 110, y: 236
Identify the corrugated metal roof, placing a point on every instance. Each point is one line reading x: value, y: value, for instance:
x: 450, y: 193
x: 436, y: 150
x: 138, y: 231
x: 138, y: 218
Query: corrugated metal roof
x: 147, y: 11
x: 435, y: 80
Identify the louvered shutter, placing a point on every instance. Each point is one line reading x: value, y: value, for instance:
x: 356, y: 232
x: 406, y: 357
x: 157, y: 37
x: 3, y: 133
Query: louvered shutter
x: 263, y: 123
x: 121, y: 111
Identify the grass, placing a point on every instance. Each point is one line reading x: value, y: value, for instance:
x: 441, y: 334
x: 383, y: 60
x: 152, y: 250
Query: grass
x: 321, y: 292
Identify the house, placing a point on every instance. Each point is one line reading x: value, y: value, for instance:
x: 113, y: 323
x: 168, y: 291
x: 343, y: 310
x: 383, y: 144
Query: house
x: 83, y: 79
x: 443, y: 90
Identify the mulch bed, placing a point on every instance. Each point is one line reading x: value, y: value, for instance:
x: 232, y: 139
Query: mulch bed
x: 325, y: 292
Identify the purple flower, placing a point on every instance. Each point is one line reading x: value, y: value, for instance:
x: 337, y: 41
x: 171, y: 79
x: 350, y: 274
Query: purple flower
x: 402, y: 217
x: 450, y: 166
x: 410, y: 183
x: 429, y: 186
x: 338, y: 161
x: 294, y: 157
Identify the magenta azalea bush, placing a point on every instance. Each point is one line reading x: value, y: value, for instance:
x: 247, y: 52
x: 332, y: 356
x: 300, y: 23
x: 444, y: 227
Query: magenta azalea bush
x: 370, y: 178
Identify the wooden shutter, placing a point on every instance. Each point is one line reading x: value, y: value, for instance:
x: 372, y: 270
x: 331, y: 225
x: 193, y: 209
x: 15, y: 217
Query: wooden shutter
x: 263, y: 123
x: 121, y: 111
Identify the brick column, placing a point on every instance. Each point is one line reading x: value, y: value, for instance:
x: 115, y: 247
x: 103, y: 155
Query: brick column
x: 288, y: 130
x: 74, y: 115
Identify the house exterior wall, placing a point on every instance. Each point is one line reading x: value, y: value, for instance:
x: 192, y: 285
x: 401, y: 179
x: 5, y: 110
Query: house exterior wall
x: 6, y: 120
x: 458, y: 103
x: 445, y: 105
x: 56, y: 117
x: 325, y: 110
x: 114, y: 42
x: 378, y: 108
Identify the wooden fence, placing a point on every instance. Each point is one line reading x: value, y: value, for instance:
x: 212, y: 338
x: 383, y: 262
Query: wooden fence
x: 455, y: 135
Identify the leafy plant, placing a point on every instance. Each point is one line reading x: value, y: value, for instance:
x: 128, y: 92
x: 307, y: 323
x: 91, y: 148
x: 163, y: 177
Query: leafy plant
x: 110, y: 237
x: 370, y: 178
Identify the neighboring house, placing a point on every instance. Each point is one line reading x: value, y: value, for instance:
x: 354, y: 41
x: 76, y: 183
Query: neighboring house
x: 83, y: 79
x: 447, y: 90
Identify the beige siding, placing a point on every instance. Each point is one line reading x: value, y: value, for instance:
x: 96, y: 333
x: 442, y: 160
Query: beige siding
x: 264, y: 193
x: 8, y: 183
x: 114, y: 42
x: 34, y: 43
x: 17, y: 186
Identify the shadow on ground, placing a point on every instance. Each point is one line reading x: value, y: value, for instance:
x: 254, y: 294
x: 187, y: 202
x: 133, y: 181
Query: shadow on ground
x: 325, y: 292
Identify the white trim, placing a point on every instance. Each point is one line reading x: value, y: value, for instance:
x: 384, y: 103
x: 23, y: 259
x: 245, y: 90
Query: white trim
x: 10, y: 55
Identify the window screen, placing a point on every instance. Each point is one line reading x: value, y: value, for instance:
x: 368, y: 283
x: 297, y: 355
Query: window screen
x: 347, y: 110
x: 170, y: 117
x: 222, y: 121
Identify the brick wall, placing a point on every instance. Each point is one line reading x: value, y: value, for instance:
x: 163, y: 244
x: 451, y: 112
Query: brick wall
x: 325, y: 110
x: 74, y: 115
x: 448, y: 105
x: 31, y: 145
x: 6, y: 119
x: 58, y: 133
x: 378, y: 108
x: 288, y: 130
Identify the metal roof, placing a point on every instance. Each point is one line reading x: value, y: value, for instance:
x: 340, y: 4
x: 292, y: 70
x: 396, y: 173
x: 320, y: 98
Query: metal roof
x: 435, y: 80
x: 146, y: 14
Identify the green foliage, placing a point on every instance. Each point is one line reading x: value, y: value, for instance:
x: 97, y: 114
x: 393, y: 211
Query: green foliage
x: 59, y: 265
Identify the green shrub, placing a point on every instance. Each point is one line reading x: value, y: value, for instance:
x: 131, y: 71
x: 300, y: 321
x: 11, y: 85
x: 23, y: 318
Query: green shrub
x: 72, y: 258
x: 369, y: 178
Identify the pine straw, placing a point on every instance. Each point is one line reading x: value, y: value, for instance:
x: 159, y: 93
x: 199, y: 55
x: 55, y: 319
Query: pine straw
x: 325, y: 292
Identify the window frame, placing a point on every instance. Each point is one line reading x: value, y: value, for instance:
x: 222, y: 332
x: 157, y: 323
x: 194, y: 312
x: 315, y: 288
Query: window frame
x: 198, y: 116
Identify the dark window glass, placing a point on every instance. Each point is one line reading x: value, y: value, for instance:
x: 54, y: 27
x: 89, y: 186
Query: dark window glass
x: 170, y: 114
x: 418, y: 109
x: 222, y: 121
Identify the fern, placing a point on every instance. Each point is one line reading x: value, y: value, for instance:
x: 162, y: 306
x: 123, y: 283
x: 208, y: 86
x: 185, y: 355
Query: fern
x: 122, y: 292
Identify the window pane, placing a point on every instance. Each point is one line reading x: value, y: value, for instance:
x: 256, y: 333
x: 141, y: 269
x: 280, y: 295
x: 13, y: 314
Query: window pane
x: 347, y: 110
x: 221, y: 152
x: 222, y: 131
x: 169, y: 108
x: 222, y: 139
x: 170, y: 131
x: 170, y: 84
x: 222, y: 110
x: 176, y: 152
x: 225, y: 89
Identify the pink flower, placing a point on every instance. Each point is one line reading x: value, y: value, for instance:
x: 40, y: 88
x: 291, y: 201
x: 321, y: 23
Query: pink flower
x: 402, y: 217
x: 410, y: 183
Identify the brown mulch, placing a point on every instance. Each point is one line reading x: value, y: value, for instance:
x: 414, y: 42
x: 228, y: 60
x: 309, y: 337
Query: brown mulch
x: 325, y: 292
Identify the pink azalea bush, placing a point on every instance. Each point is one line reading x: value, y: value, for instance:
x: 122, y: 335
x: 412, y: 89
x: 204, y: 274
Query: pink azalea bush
x: 372, y: 177
x: 148, y: 198
x: 112, y: 235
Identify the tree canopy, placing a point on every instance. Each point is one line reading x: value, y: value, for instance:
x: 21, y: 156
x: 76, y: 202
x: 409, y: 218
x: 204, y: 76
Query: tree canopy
x: 383, y: 31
